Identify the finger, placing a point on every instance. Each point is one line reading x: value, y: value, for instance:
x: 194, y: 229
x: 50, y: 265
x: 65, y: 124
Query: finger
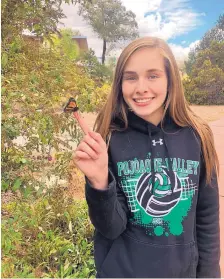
x: 80, y: 155
x: 84, y: 147
x: 93, y: 144
x: 82, y: 123
x: 98, y: 138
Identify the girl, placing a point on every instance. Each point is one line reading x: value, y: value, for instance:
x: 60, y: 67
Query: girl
x: 153, y: 194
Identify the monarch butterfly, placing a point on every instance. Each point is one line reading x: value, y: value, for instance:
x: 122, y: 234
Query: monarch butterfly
x: 71, y: 106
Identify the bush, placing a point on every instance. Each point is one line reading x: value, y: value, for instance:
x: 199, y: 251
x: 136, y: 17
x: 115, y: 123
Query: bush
x: 52, y: 237
x: 205, y: 82
x: 36, y: 83
x: 97, y: 71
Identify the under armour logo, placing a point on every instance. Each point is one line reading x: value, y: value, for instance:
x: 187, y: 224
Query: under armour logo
x: 160, y: 141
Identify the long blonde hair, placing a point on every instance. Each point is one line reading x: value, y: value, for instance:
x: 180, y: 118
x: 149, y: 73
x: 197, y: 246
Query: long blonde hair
x: 179, y: 109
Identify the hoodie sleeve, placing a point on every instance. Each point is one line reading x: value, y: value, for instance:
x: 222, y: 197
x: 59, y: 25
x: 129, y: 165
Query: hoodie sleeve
x: 207, y: 227
x: 108, y: 208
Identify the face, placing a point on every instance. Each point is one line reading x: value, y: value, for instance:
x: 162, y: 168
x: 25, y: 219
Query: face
x: 144, y: 84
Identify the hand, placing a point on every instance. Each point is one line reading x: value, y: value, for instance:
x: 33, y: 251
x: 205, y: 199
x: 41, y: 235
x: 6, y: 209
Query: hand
x: 91, y: 158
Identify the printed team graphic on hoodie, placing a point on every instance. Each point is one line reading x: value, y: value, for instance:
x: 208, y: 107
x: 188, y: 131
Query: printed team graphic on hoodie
x: 159, y: 192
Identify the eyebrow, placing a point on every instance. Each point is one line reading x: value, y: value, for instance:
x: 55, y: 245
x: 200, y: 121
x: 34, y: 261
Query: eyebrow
x: 148, y: 71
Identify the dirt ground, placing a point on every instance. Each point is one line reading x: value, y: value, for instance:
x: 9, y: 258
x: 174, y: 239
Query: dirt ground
x: 209, y: 113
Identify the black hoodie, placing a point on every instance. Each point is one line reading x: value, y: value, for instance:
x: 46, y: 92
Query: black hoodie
x: 158, y: 217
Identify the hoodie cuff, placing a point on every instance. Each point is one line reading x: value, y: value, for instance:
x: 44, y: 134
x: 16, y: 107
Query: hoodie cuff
x: 208, y: 272
x: 101, y: 195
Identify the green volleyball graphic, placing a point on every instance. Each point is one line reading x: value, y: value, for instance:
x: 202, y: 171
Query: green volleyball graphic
x: 158, y: 198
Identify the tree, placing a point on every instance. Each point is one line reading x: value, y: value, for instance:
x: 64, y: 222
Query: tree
x: 64, y: 43
x: 215, y: 34
x: 110, y: 20
x: 220, y: 22
x: 205, y: 82
x: 98, y: 72
x: 39, y: 17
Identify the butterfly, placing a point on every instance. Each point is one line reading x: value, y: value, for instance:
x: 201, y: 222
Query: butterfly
x: 71, y: 106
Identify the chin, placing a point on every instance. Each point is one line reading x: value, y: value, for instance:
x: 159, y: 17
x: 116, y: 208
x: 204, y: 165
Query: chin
x: 147, y: 114
x: 143, y: 114
x: 144, y: 111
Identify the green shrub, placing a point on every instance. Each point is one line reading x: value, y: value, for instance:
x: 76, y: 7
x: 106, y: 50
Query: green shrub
x: 51, y: 237
x: 36, y: 84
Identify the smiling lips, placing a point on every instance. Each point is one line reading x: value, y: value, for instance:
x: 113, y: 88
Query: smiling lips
x: 143, y: 101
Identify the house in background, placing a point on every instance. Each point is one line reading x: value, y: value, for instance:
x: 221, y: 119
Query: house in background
x: 82, y: 42
x: 31, y: 37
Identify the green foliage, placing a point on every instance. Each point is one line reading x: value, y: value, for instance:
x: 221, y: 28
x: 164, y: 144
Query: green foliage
x: 52, y: 237
x: 205, y: 68
x: 110, y: 21
x: 205, y: 83
x: 36, y: 83
x: 215, y: 34
x: 45, y: 234
x: 220, y: 22
x: 39, y: 17
x: 100, y: 73
x: 65, y: 45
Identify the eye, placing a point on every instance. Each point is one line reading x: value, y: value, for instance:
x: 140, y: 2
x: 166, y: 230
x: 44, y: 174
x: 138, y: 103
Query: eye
x: 129, y: 78
x: 153, y: 77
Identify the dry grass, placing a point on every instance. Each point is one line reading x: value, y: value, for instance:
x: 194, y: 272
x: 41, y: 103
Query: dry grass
x: 76, y: 185
x: 209, y: 113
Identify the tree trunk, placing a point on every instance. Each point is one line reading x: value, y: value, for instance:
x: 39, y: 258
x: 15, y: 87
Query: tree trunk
x: 104, y: 50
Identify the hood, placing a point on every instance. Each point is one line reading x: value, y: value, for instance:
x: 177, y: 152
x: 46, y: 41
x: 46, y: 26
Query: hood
x: 139, y: 124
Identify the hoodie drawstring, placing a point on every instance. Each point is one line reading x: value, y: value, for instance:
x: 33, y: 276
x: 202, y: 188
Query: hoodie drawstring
x: 152, y: 158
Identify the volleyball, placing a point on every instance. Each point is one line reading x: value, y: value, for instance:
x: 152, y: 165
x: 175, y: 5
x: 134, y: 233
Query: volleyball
x: 159, y: 199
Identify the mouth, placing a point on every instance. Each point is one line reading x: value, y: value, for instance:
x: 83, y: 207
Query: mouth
x: 143, y: 101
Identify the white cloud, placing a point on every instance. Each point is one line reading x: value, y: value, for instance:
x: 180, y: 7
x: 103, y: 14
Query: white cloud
x: 168, y: 19
x: 180, y: 52
x: 154, y: 5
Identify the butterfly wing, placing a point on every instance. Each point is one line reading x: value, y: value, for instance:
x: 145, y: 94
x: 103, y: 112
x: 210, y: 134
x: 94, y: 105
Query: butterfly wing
x: 71, y: 106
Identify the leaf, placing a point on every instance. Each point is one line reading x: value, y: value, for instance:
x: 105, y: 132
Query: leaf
x: 4, y: 60
x: 3, y: 90
x: 70, y: 226
x: 17, y: 184
x: 5, y: 186
x: 23, y: 160
x: 67, y: 263
x: 66, y: 214
x: 84, y: 244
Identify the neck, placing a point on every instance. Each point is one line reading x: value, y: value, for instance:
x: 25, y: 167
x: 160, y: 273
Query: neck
x: 156, y: 117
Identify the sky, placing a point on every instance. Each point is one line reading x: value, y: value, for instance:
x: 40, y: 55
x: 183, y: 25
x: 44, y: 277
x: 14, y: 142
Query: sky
x: 182, y: 23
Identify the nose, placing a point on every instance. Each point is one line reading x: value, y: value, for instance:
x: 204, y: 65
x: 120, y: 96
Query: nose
x: 142, y: 86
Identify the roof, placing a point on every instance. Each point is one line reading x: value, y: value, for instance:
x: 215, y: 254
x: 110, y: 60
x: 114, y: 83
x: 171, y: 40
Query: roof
x: 79, y: 37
